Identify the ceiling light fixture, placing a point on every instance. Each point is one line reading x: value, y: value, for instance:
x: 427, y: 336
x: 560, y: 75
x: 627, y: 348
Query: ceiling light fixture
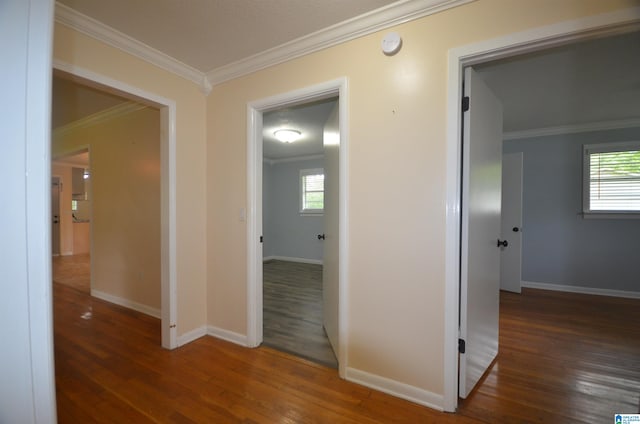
x: 287, y: 136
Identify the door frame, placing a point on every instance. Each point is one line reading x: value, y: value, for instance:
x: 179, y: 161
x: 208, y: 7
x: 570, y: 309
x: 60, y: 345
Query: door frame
x: 59, y: 216
x: 535, y: 39
x: 255, y: 111
x: 168, y: 272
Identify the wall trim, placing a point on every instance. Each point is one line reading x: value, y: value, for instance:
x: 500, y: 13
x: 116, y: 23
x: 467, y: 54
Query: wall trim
x: 230, y: 336
x: 535, y: 39
x: 581, y: 289
x: 292, y: 259
x: 396, y: 388
x: 359, y: 26
x: 192, y: 335
x: 572, y: 129
x: 104, y: 33
x: 130, y: 304
x: 113, y: 112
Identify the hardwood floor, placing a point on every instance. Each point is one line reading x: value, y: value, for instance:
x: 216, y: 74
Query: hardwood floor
x: 73, y: 271
x: 110, y: 368
x: 563, y: 358
x: 292, y: 304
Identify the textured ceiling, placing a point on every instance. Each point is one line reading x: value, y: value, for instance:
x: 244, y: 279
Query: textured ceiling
x: 207, y: 34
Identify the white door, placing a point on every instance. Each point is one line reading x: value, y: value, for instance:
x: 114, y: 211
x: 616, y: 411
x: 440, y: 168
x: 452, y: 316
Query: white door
x: 331, y: 264
x: 55, y: 216
x: 511, y: 256
x: 480, y: 255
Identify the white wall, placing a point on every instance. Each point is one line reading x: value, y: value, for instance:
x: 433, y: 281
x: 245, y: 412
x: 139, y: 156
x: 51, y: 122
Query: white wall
x: 287, y: 233
x: 26, y: 357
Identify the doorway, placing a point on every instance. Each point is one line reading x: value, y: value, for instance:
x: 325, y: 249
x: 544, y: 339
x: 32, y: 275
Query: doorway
x: 166, y: 110
x: 534, y: 40
x: 297, y: 197
x: 335, y: 226
x: 55, y: 216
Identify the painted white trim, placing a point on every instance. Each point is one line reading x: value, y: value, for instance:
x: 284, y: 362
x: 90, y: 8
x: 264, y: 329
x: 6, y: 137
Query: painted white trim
x: 377, y: 20
x: 572, y: 129
x: 104, y: 33
x: 168, y: 249
x: 99, y: 117
x: 293, y: 159
x: 581, y: 290
x: 192, y: 335
x: 37, y: 49
x: 130, y: 304
x: 255, y: 109
x: 522, y: 42
x: 230, y: 336
x: 396, y: 388
x: 292, y: 259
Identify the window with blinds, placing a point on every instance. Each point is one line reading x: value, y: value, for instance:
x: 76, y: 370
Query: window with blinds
x: 312, y: 191
x: 612, y: 178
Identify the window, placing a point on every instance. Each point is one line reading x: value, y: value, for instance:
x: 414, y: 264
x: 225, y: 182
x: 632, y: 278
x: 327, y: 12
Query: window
x: 611, y: 179
x: 312, y: 191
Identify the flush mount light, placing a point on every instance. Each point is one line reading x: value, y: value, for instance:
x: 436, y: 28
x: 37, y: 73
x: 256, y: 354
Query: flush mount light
x: 287, y: 136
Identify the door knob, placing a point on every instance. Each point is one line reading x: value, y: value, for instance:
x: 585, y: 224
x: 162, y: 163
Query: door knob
x: 320, y: 236
x: 503, y: 243
x: 515, y: 229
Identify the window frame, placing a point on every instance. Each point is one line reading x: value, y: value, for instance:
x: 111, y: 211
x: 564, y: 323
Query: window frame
x: 304, y: 173
x: 588, y: 150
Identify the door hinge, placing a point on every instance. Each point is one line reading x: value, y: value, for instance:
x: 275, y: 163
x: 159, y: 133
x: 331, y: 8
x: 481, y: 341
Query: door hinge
x: 260, y: 239
x: 461, y: 346
x: 465, y: 103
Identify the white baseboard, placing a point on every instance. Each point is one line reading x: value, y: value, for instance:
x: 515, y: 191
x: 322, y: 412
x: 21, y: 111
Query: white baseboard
x: 397, y: 389
x: 291, y: 259
x: 192, y: 335
x: 147, y: 310
x: 582, y: 290
x: 227, y: 335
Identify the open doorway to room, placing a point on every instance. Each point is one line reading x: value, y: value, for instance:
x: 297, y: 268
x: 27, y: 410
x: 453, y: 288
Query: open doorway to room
x: 115, y: 146
x: 293, y: 217
x: 71, y: 220
x: 577, y: 94
x: 304, y: 188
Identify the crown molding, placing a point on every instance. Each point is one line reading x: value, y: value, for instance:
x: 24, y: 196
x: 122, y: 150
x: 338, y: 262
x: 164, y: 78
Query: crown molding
x: 98, y: 117
x: 368, y: 23
x: 572, y: 129
x: 101, y: 32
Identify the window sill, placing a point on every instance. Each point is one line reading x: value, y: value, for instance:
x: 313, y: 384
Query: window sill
x: 311, y: 213
x: 611, y: 215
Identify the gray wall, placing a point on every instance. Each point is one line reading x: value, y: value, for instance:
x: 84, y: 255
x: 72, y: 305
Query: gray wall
x: 286, y: 232
x: 559, y: 246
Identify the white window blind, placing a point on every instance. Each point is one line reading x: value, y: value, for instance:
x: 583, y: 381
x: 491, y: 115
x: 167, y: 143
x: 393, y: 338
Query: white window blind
x: 312, y: 190
x: 613, y: 173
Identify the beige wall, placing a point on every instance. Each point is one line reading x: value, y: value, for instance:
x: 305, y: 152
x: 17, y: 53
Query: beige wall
x: 82, y: 51
x: 125, y: 196
x: 397, y: 119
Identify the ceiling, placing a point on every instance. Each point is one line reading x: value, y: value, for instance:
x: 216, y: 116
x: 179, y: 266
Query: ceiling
x: 208, y: 34
x: 590, y: 82
x: 581, y: 83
